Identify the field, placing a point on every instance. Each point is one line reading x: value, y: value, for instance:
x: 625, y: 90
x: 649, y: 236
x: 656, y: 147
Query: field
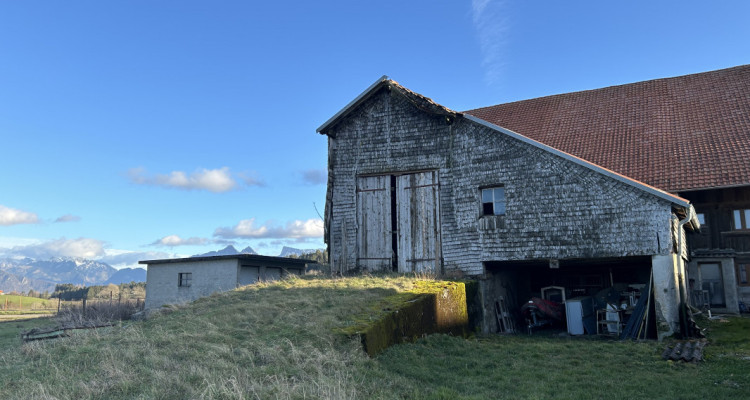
x: 280, y: 340
x: 10, y: 331
x: 10, y: 302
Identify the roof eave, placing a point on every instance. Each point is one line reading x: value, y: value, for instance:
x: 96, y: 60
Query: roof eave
x: 676, y: 200
x: 353, y: 104
x: 245, y: 257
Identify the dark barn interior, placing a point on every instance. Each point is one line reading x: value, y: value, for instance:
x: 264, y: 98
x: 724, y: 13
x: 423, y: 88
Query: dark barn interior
x: 596, y: 296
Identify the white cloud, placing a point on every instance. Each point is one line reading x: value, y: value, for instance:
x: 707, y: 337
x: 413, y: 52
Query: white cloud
x: 492, y: 29
x: 214, y: 180
x: 315, y: 176
x: 129, y: 259
x: 11, y: 216
x: 68, y: 218
x: 312, y: 228
x: 81, y: 247
x: 175, y: 240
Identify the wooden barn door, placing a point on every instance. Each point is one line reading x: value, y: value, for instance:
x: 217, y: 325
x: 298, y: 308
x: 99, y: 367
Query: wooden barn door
x: 418, y: 222
x: 374, y: 233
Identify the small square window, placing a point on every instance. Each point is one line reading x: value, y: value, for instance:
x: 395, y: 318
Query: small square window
x: 701, y: 218
x: 493, y: 201
x: 184, y: 279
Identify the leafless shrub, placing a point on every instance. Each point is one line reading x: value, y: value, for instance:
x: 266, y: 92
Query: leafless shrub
x: 97, y: 311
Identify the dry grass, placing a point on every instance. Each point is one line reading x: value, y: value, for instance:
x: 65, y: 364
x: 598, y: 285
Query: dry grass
x: 271, y: 340
x: 277, y: 341
x: 98, y: 312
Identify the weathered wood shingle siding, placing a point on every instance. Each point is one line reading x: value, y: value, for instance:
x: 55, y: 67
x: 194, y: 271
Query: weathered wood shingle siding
x: 555, y: 207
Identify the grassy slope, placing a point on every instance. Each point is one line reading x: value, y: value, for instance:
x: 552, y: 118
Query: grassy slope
x: 276, y: 341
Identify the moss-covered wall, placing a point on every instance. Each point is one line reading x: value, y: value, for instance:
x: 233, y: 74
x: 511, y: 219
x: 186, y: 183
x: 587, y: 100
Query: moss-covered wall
x: 431, y: 307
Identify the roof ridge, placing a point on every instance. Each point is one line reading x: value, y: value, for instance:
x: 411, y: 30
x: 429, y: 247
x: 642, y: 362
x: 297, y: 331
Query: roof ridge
x: 668, y: 78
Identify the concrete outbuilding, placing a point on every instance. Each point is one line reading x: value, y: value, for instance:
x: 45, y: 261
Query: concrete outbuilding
x: 180, y: 280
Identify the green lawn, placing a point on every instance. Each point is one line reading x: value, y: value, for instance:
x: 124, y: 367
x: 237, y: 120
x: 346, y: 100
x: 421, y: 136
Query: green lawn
x: 279, y: 340
x: 15, y: 302
x: 10, y: 331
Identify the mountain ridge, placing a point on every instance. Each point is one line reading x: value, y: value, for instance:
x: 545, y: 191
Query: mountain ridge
x: 22, y: 275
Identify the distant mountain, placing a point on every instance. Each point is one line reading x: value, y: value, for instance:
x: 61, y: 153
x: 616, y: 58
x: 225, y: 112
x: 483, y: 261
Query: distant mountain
x: 291, y: 251
x: 12, y: 282
x: 227, y: 251
x: 127, y: 275
x: 248, y: 250
x: 40, y: 275
x: 77, y: 271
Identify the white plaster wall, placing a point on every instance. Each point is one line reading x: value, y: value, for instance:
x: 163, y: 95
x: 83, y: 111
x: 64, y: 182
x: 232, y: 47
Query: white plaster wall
x: 731, y: 295
x: 666, y: 294
x: 208, y: 277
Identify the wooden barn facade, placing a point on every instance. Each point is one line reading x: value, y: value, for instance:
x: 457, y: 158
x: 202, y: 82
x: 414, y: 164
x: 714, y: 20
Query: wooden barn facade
x: 414, y: 186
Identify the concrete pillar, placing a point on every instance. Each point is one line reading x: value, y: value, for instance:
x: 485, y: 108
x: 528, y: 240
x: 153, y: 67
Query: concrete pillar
x: 731, y: 294
x: 666, y: 294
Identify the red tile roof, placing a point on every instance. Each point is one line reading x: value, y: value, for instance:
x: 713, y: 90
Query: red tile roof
x: 685, y: 133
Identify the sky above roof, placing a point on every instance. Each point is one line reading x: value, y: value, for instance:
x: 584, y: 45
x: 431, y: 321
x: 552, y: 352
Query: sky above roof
x: 141, y: 130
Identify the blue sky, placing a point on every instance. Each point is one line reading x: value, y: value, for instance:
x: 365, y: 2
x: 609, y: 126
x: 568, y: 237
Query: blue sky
x: 151, y: 129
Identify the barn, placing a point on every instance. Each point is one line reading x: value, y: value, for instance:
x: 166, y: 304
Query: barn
x: 414, y: 186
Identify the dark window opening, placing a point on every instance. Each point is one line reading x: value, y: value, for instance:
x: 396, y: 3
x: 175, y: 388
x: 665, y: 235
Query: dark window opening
x: 493, y: 201
x: 184, y: 279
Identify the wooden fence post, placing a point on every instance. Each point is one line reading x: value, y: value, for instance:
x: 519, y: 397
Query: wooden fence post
x: 84, y: 307
x: 58, y: 305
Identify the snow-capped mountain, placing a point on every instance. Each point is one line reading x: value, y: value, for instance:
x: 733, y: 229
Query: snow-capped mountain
x: 12, y: 282
x: 41, y: 275
x: 77, y: 271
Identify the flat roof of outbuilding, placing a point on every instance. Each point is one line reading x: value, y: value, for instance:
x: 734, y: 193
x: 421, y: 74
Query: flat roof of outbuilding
x: 245, y: 257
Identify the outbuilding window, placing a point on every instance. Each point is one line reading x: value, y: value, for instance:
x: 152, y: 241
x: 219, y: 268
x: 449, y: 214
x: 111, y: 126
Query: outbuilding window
x: 185, y: 279
x: 493, y: 201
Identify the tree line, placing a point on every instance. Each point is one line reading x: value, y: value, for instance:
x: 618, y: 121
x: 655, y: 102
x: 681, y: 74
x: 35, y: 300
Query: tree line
x: 69, y: 291
x: 319, y: 256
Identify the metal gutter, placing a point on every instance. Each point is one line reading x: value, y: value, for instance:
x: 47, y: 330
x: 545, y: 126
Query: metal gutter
x: 352, y: 104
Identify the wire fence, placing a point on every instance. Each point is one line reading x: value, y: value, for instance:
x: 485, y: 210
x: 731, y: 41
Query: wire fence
x: 22, y: 303
x: 98, y: 310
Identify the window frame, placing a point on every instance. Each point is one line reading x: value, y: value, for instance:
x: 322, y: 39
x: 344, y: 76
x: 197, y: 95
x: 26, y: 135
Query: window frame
x: 492, y: 190
x: 184, y: 279
x: 737, y: 269
x: 741, y: 215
